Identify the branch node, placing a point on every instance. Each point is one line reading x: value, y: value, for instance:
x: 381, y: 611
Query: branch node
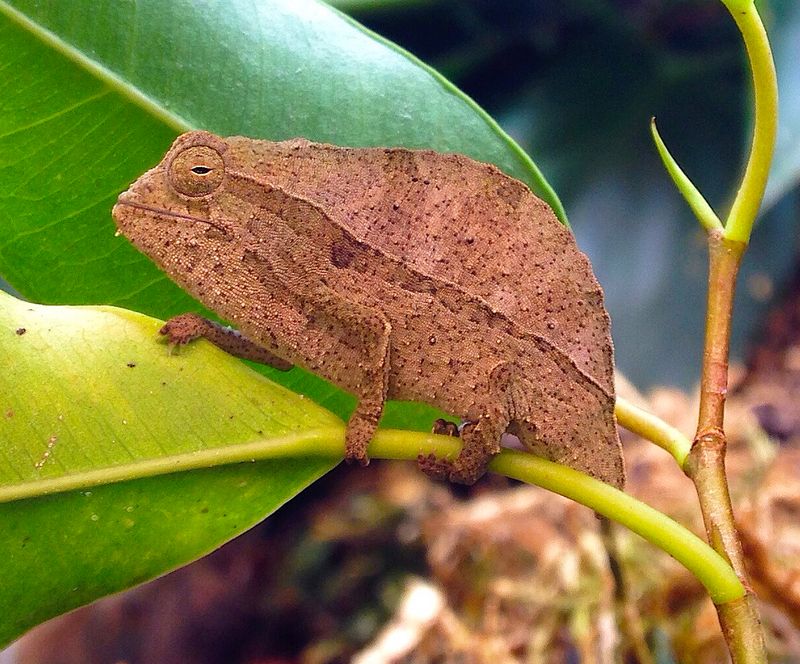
x: 710, y: 441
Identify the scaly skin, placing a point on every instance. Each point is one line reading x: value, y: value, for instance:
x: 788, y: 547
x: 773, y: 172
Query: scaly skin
x: 327, y: 274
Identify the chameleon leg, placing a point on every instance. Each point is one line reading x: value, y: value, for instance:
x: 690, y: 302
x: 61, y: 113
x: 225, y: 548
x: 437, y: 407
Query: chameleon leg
x: 187, y: 327
x: 357, y: 336
x: 480, y: 438
x: 371, y: 391
x: 363, y: 352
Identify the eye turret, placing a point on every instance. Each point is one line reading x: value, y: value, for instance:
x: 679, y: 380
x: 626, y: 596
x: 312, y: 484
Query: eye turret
x: 197, y: 171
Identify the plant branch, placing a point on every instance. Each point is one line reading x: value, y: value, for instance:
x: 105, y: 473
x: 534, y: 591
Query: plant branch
x: 765, y: 125
x: 724, y: 259
x: 652, y: 428
x: 742, y: 630
x: 705, y: 464
x: 708, y: 566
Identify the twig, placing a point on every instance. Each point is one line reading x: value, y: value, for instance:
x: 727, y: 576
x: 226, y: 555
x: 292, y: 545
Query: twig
x: 705, y: 464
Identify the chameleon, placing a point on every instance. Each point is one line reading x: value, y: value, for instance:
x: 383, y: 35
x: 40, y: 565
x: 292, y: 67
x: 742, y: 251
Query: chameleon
x: 394, y: 274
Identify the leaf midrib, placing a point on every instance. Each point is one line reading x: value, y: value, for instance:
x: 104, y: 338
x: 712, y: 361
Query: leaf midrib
x: 99, y: 71
x: 319, y: 442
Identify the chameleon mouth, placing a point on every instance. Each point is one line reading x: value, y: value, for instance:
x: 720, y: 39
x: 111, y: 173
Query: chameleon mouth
x: 167, y: 213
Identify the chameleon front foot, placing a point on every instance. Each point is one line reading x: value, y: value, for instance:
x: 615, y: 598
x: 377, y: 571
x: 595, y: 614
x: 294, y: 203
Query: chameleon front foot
x: 356, y: 456
x: 360, y: 429
x: 180, y: 330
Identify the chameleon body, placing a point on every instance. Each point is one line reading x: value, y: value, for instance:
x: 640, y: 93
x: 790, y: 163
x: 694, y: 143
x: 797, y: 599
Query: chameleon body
x: 395, y: 274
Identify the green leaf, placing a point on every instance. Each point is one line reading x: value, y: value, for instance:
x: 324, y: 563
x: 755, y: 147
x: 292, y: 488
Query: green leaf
x: 702, y: 210
x: 93, y: 92
x: 377, y: 5
x: 91, y: 398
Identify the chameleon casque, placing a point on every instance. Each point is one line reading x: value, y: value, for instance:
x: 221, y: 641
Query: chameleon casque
x: 394, y: 274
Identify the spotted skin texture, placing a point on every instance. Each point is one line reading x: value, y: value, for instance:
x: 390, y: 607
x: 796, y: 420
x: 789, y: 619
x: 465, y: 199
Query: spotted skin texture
x: 395, y: 274
x: 180, y: 330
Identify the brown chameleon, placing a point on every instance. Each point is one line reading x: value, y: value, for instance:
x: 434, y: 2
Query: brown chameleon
x: 395, y: 274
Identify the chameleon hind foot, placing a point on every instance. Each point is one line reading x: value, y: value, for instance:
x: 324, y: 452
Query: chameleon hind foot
x: 480, y: 441
x: 461, y: 471
x: 434, y: 467
x: 444, y: 427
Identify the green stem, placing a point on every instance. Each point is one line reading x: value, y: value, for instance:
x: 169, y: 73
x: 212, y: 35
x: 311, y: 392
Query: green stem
x: 705, y: 464
x: 709, y: 567
x: 765, y: 96
x: 652, y: 428
x: 692, y: 552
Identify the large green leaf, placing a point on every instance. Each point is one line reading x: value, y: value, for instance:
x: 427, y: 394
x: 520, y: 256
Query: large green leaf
x: 91, y: 399
x: 92, y: 93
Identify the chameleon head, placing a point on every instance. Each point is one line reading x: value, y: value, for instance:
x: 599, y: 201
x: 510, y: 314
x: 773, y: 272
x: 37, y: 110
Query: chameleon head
x: 181, y: 192
x: 180, y: 212
x: 186, y: 215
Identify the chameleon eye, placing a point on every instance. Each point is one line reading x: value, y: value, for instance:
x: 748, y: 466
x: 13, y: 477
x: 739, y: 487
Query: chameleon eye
x: 197, y: 171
